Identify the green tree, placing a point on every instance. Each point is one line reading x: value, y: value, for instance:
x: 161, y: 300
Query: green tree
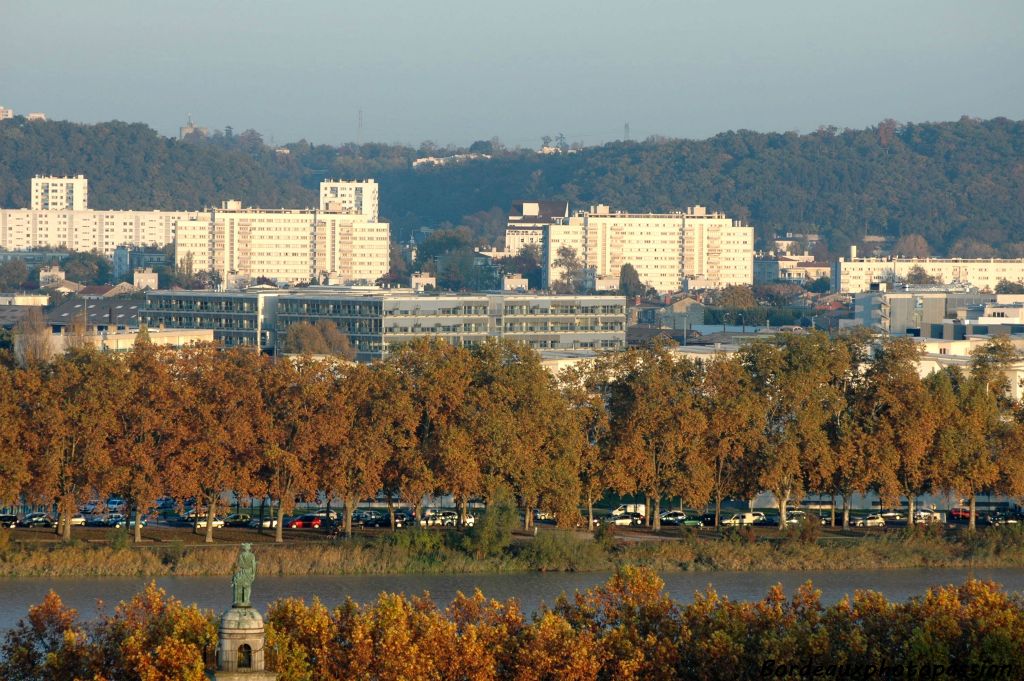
x: 572, y: 272
x: 13, y: 274
x: 918, y: 275
x: 629, y: 282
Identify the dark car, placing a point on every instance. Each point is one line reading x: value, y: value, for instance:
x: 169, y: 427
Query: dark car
x: 238, y: 520
x: 8, y: 520
x: 309, y: 521
x: 36, y: 520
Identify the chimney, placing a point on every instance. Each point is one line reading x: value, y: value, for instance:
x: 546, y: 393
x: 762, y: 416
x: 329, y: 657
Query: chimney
x: 853, y: 252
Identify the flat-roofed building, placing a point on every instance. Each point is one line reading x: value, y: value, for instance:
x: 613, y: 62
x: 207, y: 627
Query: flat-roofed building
x: 376, y: 321
x: 60, y: 193
x: 351, y: 197
x: 854, y: 275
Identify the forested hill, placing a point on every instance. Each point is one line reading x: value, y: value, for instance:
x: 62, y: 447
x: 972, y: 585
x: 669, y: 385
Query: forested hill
x: 949, y: 182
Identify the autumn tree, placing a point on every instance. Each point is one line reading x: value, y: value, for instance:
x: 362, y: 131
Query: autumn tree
x: 658, y: 429
x: 405, y: 474
x: 734, y: 412
x: 73, y: 421
x: 583, y: 390
x: 911, y: 246
x: 220, y: 400
x: 439, y: 377
x: 353, y: 451
x: 148, y: 427
x: 293, y: 420
x: 14, y: 465
x: 795, y: 379
x: 33, y: 342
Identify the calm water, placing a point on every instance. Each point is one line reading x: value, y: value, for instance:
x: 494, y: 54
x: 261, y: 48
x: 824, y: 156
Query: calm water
x: 532, y: 589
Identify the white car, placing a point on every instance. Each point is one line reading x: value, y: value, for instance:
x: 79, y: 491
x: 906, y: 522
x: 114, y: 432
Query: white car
x: 267, y: 522
x: 928, y: 517
x: 742, y: 519
x: 77, y: 519
x: 217, y: 522
x: 890, y: 516
x: 873, y: 520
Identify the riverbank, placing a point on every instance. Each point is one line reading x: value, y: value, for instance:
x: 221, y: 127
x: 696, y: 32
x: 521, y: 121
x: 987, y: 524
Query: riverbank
x: 432, y: 552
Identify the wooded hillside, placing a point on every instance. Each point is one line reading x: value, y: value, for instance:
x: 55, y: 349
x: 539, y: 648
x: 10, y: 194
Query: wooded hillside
x: 950, y: 182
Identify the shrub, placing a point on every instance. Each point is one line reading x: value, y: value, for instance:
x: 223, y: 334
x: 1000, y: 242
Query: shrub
x: 120, y: 539
x: 563, y: 550
x: 605, y: 535
x: 493, y: 532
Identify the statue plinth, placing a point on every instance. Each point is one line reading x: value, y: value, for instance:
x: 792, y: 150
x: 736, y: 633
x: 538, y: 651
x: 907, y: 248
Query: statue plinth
x: 241, y: 636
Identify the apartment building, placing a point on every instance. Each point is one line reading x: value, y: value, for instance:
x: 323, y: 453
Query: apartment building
x: 376, y: 321
x: 87, y: 230
x: 854, y: 275
x: 664, y: 248
x: 361, y: 198
x: 287, y: 246
x: 60, y: 193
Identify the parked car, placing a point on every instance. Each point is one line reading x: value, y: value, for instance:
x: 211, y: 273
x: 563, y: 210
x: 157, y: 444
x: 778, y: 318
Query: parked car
x: 540, y: 516
x: 89, y: 507
x: 872, y: 520
x: 1002, y: 519
x: 36, y: 520
x: 928, y: 517
x: 371, y: 517
x: 121, y: 521
x: 8, y: 520
x: 960, y: 513
x: 266, y: 522
x: 742, y: 519
x: 238, y: 520
x: 679, y: 518
x: 77, y: 519
x: 708, y: 519
x: 217, y: 522
x: 628, y: 518
x: 891, y: 516
x: 115, y: 505
x: 640, y: 509
x: 310, y: 521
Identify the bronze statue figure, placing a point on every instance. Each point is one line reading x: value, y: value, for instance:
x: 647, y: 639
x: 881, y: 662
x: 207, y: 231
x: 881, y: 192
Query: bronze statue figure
x: 242, y: 579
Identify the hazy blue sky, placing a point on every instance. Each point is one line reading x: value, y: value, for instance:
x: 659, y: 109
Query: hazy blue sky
x: 455, y: 71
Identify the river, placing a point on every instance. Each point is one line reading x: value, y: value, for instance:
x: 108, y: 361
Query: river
x: 531, y: 589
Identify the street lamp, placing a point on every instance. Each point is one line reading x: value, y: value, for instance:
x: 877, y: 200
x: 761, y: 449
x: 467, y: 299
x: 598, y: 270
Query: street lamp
x: 685, y: 320
x: 743, y: 323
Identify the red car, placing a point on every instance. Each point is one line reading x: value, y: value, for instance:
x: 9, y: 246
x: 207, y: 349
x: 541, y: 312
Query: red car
x: 305, y: 521
x: 960, y: 513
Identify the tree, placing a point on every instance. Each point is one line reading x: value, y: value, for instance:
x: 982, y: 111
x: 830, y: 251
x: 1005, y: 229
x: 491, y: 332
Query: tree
x: 293, y: 420
x: 819, y: 285
x: 918, y: 275
x: 221, y: 400
x: 796, y: 381
x: 14, y: 469
x: 572, y: 272
x: 13, y: 274
x: 148, y: 427
x: 1014, y: 287
x: 582, y: 387
x: 33, y: 343
x: 734, y: 413
x: 900, y: 420
x: 657, y: 428
x: 735, y: 296
x: 629, y: 282
x: 354, y: 450
x: 321, y: 338
x: 72, y: 423
x: 911, y: 246
x: 405, y: 474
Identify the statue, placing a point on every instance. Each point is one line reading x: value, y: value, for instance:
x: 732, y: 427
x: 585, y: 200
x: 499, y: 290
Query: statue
x: 242, y: 579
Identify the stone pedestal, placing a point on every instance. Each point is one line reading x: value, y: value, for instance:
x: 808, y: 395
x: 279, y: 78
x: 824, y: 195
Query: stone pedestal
x: 240, y: 650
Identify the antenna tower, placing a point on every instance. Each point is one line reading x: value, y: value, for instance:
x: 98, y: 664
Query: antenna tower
x: 359, y: 128
x: 625, y: 131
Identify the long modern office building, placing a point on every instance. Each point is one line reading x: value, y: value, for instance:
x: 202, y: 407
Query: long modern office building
x: 664, y: 248
x: 376, y: 320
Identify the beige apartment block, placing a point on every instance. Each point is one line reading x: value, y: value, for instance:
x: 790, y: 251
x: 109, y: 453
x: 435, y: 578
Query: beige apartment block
x: 60, y: 193
x: 350, y: 197
x: 288, y: 246
x: 855, y: 275
x: 87, y: 230
x: 664, y: 248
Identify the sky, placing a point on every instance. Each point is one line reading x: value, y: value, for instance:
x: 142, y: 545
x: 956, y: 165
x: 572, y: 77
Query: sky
x: 455, y: 71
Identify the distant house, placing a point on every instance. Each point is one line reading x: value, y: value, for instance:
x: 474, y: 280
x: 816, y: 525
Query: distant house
x: 107, y: 290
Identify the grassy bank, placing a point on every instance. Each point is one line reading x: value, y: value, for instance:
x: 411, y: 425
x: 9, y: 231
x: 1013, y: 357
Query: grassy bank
x: 551, y: 550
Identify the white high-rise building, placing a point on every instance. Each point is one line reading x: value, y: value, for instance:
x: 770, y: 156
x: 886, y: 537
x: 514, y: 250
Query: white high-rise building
x: 292, y: 246
x: 664, y: 248
x: 350, y: 198
x: 60, y: 193
x: 86, y: 230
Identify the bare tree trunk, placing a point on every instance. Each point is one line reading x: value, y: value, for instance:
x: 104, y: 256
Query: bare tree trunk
x: 138, y: 524
x: 718, y: 508
x: 66, y: 517
x: 847, y: 500
x: 210, y: 515
x: 526, y: 518
x: 279, y: 525
x: 463, y: 512
x: 391, y: 512
x: 590, y: 512
x: 974, y: 513
x: 656, y: 513
x: 648, y: 509
x: 350, y: 503
x: 782, y: 500
x: 833, y: 498
x: 910, y: 510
